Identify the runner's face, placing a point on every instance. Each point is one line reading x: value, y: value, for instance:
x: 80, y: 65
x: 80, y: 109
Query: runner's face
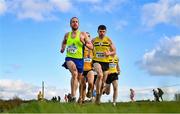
x: 101, y: 33
x: 74, y: 24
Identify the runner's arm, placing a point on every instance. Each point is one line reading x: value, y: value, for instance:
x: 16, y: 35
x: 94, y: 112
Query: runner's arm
x: 112, y: 51
x: 118, y: 68
x: 86, y: 41
x: 63, y: 45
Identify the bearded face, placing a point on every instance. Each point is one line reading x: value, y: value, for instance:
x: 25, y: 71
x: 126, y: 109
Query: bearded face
x: 101, y: 33
x: 74, y: 24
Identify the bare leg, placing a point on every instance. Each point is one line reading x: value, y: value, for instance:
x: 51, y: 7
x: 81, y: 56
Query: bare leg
x: 98, y: 69
x: 82, y: 87
x: 107, y: 89
x: 90, y: 77
x: 115, y: 88
x: 105, y: 77
x: 104, y: 81
x: 74, y: 81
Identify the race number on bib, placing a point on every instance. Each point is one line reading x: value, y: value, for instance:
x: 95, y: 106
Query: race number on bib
x: 112, y: 65
x: 72, y: 49
x: 87, y: 60
x: 100, y: 54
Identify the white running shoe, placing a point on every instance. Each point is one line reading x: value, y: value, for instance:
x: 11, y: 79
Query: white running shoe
x: 114, y: 104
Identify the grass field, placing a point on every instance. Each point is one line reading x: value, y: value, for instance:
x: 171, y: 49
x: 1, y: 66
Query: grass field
x: 136, y: 107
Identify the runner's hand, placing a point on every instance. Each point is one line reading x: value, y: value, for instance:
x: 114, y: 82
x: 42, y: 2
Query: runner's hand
x: 107, y: 53
x: 62, y: 50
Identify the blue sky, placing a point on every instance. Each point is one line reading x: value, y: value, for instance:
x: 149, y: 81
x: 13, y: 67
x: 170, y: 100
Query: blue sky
x: 146, y: 34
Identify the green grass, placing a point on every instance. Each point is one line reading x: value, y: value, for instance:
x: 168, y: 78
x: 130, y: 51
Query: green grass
x: 136, y: 107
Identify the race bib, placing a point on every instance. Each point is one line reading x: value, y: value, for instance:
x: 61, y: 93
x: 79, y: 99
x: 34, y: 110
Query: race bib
x: 72, y: 49
x: 100, y: 55
x: 112, y: 65
x: 87, y: 60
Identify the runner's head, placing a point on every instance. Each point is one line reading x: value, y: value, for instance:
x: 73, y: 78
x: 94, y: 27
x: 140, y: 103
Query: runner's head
x: 88, y: 35
x: 74, y: 23
x: 101, y: 31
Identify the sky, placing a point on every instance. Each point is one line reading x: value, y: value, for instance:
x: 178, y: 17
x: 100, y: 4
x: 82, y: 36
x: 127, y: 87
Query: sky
x: 146, y: 34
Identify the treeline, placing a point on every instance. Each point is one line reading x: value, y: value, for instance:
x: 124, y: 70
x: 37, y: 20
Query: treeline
x: 9, y: 104
x: 6, y: 105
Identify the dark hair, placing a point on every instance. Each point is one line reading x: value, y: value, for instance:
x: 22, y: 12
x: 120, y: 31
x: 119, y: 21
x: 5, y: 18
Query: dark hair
x: 73, y: 18
x: 102, y: 27
x: 88, y: 34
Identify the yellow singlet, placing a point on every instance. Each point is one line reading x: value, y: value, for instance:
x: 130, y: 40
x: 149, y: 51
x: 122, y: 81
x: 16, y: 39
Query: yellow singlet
x: 100, y: 47
x: 113, y: 62
x: 88, y: 55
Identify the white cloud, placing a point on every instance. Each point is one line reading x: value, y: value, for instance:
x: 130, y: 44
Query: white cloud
x: 120, y: 24
x: 108, y: 6
x: 164, y: 11
x: 61, y: 5
x: 10, y: 88
x: 90, y: 1
x: 163, y: 59
x: 38, y: 9
x: 3, y: 7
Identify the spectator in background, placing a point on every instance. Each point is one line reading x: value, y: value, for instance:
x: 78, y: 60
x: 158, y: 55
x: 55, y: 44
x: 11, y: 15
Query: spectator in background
x: 156, y: 95
x: 160, y: 93
x: 40, y: 96
x: 132, y: 94
x: 66, y: 98
x: 59, y: 99
x: 54, y: 99
x: 69, y: 97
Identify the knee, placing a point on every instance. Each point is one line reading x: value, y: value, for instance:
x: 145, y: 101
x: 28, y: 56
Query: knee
x: 90, y: 85
x: 100, y: 76
x: 75, y: 73
x: 115, y: 88
x: 83, y: 85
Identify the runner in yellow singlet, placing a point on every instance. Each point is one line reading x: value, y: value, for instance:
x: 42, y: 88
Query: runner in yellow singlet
x: 114, y: 71
x: 103, y: 48
x: 88, y: 72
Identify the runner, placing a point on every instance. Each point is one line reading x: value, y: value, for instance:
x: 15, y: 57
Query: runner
x: 112, y: 77
x: 74, y: 42
x: 103, y: 48
x: 87, y: 73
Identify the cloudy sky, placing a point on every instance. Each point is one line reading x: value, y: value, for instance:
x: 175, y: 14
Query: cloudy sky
x: 146, y: 34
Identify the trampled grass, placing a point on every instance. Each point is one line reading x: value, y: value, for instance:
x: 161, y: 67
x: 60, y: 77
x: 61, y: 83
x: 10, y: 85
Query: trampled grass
x: 136, y: 107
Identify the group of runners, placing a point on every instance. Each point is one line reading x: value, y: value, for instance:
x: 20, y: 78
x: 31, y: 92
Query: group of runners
x: 93, y: 61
